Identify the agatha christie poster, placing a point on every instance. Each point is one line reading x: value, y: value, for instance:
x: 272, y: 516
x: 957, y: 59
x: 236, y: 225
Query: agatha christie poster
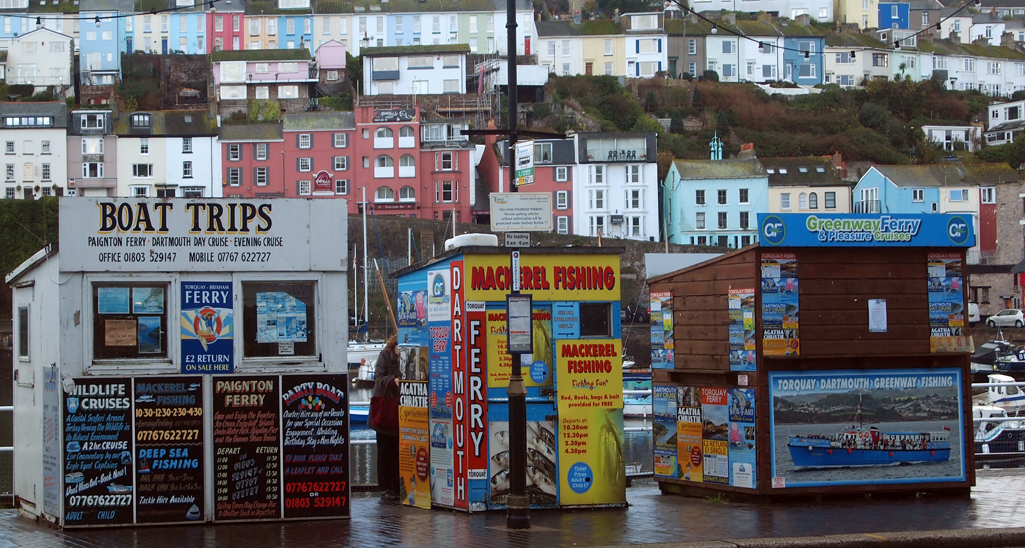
x: 866, y: 427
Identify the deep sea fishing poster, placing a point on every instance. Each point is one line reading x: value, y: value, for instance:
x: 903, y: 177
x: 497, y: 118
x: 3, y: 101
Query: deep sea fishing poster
x: 592, y: 467
x: 207, y: 328
x: 742, y: 438
x: 866, y: 427
x: 780, y: 305
x: 664, y: 431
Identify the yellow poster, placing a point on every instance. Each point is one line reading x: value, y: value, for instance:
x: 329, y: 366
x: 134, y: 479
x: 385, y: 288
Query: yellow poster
x: 535, y: 368
x: 592, y: 468
x: 414, y: 445
x: 586, y: 277
x: 689, y: 429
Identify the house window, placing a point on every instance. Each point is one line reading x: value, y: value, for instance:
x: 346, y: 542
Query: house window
x: 599, y: 174
x: 407, y: 194
x: 543, y: 153
x: 699, y: 197
x: 90, y: 170
x: 745, y: 220
x: 92, y: 121
x: 699, y: 221
x: 744, y: 196
x: 144, y: 146
x: 186, y: 170
x: 722, y: 220
x: 596, y: 199
x: 341, y: 186
x: 784, y: 201
x: 140, y: 120
x: 633, y: 174
x: 561, y: 174
x: 126, y: 307
x: 235, y: 176
x: 562, y: 224
x: 261, y: 151
x: 305, y: 140
x: 813, y: 201
x: 384, y: 194
x: 262, y: 176
x: 187, y: 145
x: 234, y: 153
x: 959, y: 195
x: 446, y: 161
x: 341, y: 163
x: 597, y: 227
x: 444, y: 191
x: 692, y: 46
x: 830, y: 200
x: 340, y: 140
x: 304, y: 188
x: 636, y: 226
x: 562, y: 199
x: 305, y: 164
x: 46, y: 175
x: 988, y: 195
x: 9, y: 147
x: 9, y: 173
x: 633, y: 198
x: 263, y: 92
x: 917, y: 195
x: 142, y: 171
x: 288, y: 92
x: 721, y: 196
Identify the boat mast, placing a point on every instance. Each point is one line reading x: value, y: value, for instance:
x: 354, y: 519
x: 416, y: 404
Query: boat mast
x: 366, y: 286
x: 355, y: 291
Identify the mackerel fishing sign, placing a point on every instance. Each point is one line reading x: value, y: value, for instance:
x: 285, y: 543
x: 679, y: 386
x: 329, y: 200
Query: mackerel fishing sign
x: 865, y: 230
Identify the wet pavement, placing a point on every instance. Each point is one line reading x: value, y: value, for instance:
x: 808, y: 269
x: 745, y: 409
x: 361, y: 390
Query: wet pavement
x: 651, y: 518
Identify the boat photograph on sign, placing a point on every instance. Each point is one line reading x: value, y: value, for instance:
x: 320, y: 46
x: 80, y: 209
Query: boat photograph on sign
x: 875, y: 426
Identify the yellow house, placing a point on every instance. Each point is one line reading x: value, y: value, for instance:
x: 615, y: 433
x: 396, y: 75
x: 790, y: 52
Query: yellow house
x: 261, y: 32
x: 604, y: 54
x: 863, y: 12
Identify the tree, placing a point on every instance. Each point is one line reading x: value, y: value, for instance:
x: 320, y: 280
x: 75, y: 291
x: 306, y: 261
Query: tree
x: 711, y: 76
x: 676, y: 123
x: 650, y: 101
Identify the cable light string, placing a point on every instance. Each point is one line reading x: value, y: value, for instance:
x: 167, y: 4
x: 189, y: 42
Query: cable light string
x: 99, y: 19
x: 807, y: 54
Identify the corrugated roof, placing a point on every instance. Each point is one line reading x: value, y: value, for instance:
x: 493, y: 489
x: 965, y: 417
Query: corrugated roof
x: 719, y: 169
x: 807, y: 171
x: 58, y: 110
x: 413, y: 50
x: 251, y: 132
x: 301, y: 54
x: 320, y: 120
x: 169, y: 123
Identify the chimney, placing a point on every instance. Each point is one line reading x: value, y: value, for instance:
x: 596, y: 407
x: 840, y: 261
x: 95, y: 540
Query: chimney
x: 1007, y: 40
x: 837, y: 160
x: 747, y: 151
x: 803, y: 19
x: 764, y: 17
x: 954, y: 36
x: 731, y: 18
x: 981, y: 41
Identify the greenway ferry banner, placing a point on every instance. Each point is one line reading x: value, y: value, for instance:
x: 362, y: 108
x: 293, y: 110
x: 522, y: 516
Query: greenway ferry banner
x: 212, y: 234
x: 861, y: 230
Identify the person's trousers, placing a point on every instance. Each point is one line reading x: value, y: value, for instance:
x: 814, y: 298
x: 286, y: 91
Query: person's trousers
x: 388, y: 461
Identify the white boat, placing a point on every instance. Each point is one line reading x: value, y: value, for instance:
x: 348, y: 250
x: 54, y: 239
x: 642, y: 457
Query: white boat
x: 361, y: 353
x: 1005, y: 395
x: 999, y: 442
x: 365, y: 374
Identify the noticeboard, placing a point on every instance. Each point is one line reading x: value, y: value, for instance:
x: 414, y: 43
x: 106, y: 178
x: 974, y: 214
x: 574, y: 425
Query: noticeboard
x: 521, y: 211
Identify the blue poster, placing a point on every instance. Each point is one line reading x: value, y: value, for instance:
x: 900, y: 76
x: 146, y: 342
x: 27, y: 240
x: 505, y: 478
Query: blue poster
x: 946, y: 303
x: 742, y: 438
x: 664, y: 431
x: 742, y: 329
x: 780, y: 305
x: 865, y: 230
x: 207, y: 328
x: 113, y: 300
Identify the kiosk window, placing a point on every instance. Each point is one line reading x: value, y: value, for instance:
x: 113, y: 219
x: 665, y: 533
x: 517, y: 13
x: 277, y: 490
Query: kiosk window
x: 595, y: 320
x: 279, y: 319
x: 129, y: 320
x: 23, y: 341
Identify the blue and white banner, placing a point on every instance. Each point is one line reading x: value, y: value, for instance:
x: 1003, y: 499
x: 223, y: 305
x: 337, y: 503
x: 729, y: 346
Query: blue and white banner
x: 207, y: 328
x: 865, y: 230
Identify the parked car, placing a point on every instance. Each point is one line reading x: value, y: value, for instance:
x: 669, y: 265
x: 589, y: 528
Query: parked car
x: 1011, y: 317
x: 973, y: 314
x: 636, y: 313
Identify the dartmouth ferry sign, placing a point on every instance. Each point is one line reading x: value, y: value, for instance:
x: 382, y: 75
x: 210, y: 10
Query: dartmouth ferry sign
x: 858, y: 230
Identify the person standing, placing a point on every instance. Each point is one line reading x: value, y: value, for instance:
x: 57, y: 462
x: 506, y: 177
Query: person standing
x: 386, y: 383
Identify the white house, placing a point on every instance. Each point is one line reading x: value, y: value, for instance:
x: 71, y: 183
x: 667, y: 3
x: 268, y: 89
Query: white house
x: 415, y: 70
x: 560, y: 47
x: 1004, y: 122
x: 820, y: 10
x: 955, y: 137
x: 168, y: 154
x: 35, y: 149
x: 987, y: 26
x: 647, y: 51
x: 44, y: 58
x: 615, y: 186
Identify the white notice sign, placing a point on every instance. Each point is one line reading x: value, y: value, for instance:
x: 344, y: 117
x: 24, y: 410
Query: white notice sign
x: 517, y: 211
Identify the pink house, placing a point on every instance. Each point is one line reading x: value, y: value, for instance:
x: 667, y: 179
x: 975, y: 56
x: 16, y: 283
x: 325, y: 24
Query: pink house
x: 283, y: 75
x: 225, y: 24
x: 318, y: 155
x: 331, y: 62
x: 252, y: 160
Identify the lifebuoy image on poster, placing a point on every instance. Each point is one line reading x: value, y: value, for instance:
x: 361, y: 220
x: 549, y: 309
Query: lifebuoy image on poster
x: 247, y: 467
x: 866, y: 427
x: 169, y: 449
x: 207, y: 328
x: 98, y: 447
x: 315, y: 460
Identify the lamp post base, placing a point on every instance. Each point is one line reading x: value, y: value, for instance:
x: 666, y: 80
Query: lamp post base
x: 518, y: 512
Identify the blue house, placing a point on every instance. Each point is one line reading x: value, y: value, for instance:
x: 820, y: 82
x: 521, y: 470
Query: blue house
x: 296, y: 31
x: 914, y: 189
x: 13, y: 23
x: 99, y: 46
x: 714, y: 202
x: 894, y: 15
x: 188, y: 31
x: 803, y: 53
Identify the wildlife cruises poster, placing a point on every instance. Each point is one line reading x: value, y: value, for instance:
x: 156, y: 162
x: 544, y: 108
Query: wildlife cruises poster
x: 884, y: 426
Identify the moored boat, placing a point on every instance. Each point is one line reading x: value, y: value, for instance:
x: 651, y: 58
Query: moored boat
x: 998, y: 443
x: 872, y: 447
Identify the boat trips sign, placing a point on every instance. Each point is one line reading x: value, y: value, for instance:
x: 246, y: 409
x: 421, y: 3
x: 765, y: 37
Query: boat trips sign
x: 857, y: 230
x: 866, y: 427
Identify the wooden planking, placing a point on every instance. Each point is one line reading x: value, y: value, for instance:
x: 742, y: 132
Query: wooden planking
x: 895, y: 315
x: 834, y: 333
x: 918, y: 302
x: 889, y: 347
x: 874, y: 255
x: 863, y: 286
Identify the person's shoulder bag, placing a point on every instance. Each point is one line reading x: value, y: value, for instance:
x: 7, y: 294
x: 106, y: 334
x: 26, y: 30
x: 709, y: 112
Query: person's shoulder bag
x: 384, y: 411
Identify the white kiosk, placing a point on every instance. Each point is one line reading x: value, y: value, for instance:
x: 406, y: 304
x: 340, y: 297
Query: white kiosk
x: 183, y: 360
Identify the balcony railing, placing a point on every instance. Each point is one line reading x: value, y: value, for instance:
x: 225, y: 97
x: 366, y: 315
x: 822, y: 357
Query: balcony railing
x: 866, y: 206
